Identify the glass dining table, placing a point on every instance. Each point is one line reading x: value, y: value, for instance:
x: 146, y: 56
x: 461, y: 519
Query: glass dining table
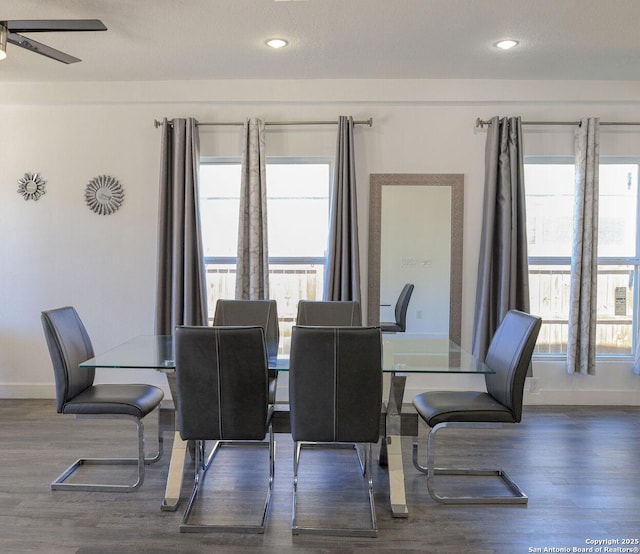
x: 403, y: 355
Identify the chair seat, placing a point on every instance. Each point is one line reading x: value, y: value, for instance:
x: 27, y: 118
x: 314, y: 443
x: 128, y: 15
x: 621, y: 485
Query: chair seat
x: 461, y: 406
x: 134, y: 400
x: 389, y: 327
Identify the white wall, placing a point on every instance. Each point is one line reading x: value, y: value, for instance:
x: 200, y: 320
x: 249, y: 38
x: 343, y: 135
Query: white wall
x: 56, y: 252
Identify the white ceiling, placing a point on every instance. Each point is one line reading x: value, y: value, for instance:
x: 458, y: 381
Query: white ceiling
x: 433, y: 39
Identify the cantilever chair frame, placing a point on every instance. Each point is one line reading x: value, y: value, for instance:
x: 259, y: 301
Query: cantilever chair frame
x: 431, y: 470
x: 306, y: 436
x: 202, y: 464
x: 516, y: 373
x: 64, y: 362
x: 60, y: 483
x: 365, y: 467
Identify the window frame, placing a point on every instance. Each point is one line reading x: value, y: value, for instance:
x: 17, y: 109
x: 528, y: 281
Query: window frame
x: 602, y: 260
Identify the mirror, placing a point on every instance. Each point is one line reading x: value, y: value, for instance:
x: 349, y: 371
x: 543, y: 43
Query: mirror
x: 415, y: 236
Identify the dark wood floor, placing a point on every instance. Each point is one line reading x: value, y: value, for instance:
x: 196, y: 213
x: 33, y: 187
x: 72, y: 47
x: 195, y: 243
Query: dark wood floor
x: 580, y: 467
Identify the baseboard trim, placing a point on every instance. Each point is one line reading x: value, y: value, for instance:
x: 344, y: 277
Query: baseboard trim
x: 583, y: 398
x: 544, y: 397
x: 27, y: 390
x: 573, y: 397
x: 42, y: 390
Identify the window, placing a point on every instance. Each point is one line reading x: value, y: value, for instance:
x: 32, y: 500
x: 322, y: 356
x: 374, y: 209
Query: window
x: 549, y: 184
x: 298, y: 228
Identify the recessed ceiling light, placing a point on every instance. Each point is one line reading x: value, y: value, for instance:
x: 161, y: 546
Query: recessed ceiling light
x: 276, y: 43
x: 507, y: 44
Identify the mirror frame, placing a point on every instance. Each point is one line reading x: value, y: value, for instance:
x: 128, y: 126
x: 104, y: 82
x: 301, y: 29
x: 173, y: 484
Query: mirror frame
x: 456, y: 182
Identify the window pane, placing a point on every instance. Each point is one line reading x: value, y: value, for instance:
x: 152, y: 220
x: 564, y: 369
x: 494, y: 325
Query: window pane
x: 221, y: 180
x: 288, y: 284
x: 614, y: 332
x: 618, y: 210
x: 550, y: 198
x: 549, y: 204
x: 219, y: 206
x: 297, y: 199
x: 298, y: 208
x: 549, y: 297
x: 221, y: 283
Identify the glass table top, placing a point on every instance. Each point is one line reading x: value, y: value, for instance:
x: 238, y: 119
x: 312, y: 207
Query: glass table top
x: 401, y: 353
x: 151, y: 352
x: 144, y: 351
x: 412, y: 353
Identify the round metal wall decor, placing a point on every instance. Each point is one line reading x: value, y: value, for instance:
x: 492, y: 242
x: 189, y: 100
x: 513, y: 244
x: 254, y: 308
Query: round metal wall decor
x: 31, y: 186
x: 104, y: 195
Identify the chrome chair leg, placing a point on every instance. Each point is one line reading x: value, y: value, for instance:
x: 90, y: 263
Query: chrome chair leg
x: 158, y: 455
x: 61, y: 483
x: 365, y: 466
x: 202, y: 465
x: 364, y: 463
x: 517, y: 496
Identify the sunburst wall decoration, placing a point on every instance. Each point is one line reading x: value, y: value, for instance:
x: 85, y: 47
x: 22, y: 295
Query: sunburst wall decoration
x: 31, y: 186
x: 104, y: 195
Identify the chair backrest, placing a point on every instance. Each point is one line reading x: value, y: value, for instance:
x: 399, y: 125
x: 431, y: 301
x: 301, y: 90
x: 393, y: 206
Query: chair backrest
x: 331, y: 313
x: 335, y: 384
x: 402, y: 305
x: 69, y: 345
x: 509, y: 355
x: 251, y: 312
x: 221, y: 378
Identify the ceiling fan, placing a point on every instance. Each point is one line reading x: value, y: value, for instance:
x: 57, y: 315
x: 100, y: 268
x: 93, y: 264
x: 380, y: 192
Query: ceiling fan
x: 10, y: 32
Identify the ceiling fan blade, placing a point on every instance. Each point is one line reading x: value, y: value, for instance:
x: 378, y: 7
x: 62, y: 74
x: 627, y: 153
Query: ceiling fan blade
x: 53, y: 25
x: 39, y: 48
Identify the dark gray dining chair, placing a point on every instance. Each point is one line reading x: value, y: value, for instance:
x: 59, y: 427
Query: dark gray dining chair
x: 69, y: 345
x: 509, y: 355
x: 335, y: 396
x: 400, y: 312
x: 221, y: 377
x: 329, y: 312
x: 254, y: 312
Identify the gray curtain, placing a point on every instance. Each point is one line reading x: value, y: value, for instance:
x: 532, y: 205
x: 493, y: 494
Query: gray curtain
x: 503, y: 277
x: 181, y: 290
x: 581, y: 342
x: 342, y: 281
x: 252, y: 277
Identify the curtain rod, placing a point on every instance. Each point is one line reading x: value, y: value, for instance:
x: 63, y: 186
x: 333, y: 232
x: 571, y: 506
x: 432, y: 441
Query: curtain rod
x: 368, y: 122
x: 481, y: 123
